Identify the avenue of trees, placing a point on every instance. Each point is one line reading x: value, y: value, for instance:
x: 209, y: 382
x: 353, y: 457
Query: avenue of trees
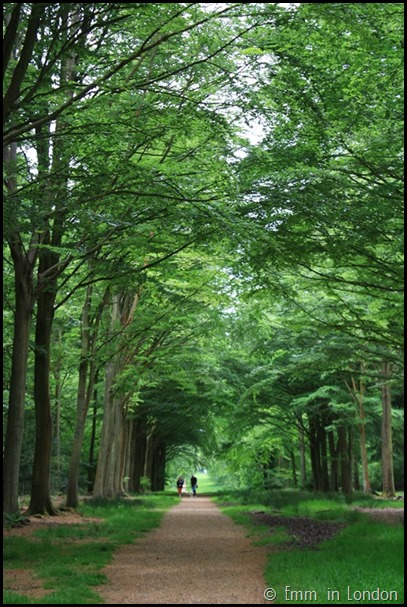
x: 203, y: 246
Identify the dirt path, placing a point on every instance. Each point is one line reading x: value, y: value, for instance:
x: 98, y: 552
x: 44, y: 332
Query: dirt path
x: 197, y: 555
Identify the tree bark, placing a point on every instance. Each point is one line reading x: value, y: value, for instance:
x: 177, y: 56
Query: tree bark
x: 40, y: 502
x: 107, y: 483
x: 100, y: 488
x: 128, y: 455
x: 333, y: 457
x: 345, y: 465
x: 358, y: 395
x: 24, y: 301
x: 55, y: 210
x: 82, y: 405
x: 293, y: 468
x: 315, y: 459
x: 138, y: 452
x: 362, y: 434
x: 109, y: 472
x: 325, y: 486
x: 119, y: 446
x: 303, y: 470
x: 387, y: 437
x: 148, y: 464
x: 91, y: 460
x: 58, y: 396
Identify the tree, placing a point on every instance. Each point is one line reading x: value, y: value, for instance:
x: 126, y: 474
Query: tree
x: 128, y: 176
x: 322, y: 192
x: 87, y: 374
x: 57, y: 70
x: 387, y: 440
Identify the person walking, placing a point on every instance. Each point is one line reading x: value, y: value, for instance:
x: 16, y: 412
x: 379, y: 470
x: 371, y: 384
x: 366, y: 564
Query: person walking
x: 180, y: 484
x: 194, y: 485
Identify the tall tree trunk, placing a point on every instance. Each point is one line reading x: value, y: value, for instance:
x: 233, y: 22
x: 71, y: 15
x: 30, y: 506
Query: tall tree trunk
x: 362, y: 435
x: 91, y: 461
x: 40, y: 502
x: 315, y: 453
x: 124, y: 448
x: 138, y: 451
x: 293, y: 468
x: 148, y: 464
x: 48, y: 270
x: 355, y: 469
x: 24, y: 300
x: 86, y: 380
x: 358, y: 395
x: 58, y: 396
x: 325, y: 486
x: 109, y: 467
x: 100, y: 487
x: 118, y: 447
x: 128, y: 455
x: 303, y: 469
x: 387, y: 438
x: 132, y: 456
x: 55, y: 209
x: 343, y: 450
x: 81, y: 405
x: 333, y: 456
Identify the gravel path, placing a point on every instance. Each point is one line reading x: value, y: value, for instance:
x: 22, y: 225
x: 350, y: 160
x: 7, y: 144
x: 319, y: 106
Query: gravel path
x: 197, y: 555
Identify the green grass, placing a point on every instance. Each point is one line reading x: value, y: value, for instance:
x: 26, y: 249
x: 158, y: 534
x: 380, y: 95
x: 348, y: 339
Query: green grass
x: 291, y: 502
x: 72, y: 570
x: 260, y: 535
x: 322, y: 509
x: 206, y: 484
x: 362, y: 557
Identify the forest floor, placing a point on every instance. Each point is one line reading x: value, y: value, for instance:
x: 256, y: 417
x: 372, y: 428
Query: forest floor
x: 197, y: 555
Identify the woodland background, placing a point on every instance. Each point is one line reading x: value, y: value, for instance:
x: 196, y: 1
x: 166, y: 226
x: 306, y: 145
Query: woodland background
x: 203, y: 246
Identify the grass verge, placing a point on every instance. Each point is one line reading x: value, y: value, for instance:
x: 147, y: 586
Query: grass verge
x: 69, y: 559
x: 362, y: 564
